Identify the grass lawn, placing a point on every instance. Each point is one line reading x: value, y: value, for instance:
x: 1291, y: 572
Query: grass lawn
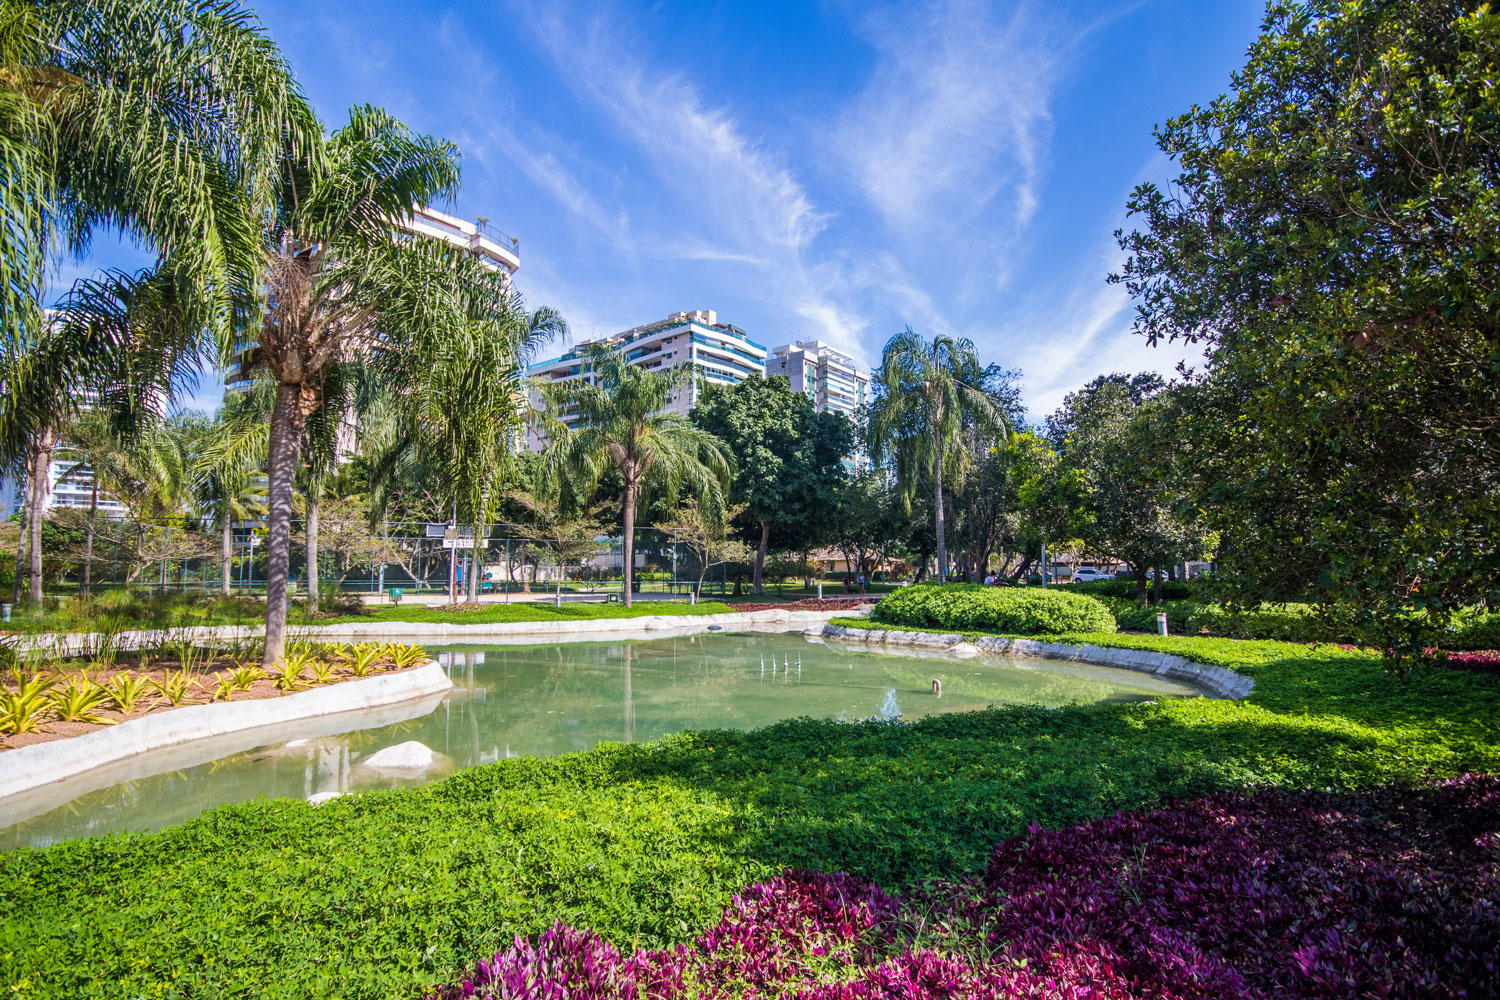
x: 381, y: 895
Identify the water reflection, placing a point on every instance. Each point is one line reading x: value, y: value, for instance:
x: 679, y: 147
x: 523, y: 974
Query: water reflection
x: 512, y: 700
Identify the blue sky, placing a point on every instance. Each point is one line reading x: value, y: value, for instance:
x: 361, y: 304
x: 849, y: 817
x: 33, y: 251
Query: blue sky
x: 809, y: 170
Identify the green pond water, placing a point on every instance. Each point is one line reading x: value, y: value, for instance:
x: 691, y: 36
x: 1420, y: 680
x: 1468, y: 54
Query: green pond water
x: 512, y: 700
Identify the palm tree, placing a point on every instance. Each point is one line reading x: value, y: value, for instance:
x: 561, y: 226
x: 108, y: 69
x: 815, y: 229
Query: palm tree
x: 929, y: 411
x: 343, y: 285
x: 163, y: 121
x: 457, y: 413
x: 622, y: 423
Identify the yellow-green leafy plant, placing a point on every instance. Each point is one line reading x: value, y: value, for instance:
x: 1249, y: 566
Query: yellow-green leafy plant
x: 127, y: 691
x: 403, y: 655
x: 174, y: 686
x: 240, y: 678
x: 80, y: 700
x: 26, y: 708
x: 288, y: 677
x: 362, y: 658
x: 322, y: 670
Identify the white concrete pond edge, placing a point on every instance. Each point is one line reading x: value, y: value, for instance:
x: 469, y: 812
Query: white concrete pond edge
x: 32, y: 767
x: 77, y: 643
x: 1217, y: 681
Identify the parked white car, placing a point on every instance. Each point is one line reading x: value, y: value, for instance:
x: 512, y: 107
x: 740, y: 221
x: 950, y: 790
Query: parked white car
x: 1088, y: 574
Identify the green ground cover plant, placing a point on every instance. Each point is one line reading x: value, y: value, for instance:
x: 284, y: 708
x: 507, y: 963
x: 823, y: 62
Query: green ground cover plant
x: 1019, y: 611
x: 390, y: 892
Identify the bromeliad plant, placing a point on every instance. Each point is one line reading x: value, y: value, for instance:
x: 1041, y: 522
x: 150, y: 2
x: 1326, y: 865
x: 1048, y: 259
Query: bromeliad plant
x: 80, y: 700
x: 362, y: 658
x: 175, y: 685
x: 26, y: 708
x: 402, y: 655
x: 288, y: 676
x: 127, y: 690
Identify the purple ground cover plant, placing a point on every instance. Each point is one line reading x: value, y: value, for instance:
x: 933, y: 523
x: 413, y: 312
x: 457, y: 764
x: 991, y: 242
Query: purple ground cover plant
x: 1393, y: 893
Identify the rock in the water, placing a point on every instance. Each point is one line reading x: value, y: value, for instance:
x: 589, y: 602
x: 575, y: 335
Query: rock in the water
x: 964, y: 649
x: 408, y: 756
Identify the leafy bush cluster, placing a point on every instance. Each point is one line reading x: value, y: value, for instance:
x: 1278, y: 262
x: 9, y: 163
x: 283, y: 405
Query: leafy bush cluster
x: 1018, y: 611
x: 1286, y: 623
x: 1171, y: 590
x: 1231, y: 896
x: 1476, y: 631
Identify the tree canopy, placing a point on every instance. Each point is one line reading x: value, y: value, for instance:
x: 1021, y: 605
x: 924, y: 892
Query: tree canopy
x: 1332, y: 240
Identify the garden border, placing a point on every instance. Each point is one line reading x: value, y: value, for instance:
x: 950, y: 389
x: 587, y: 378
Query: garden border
x: 1220, y: 682
x: 40, y: 764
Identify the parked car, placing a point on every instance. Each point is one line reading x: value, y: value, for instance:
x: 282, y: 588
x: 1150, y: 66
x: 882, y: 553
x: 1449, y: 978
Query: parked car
x: 1088, y: 574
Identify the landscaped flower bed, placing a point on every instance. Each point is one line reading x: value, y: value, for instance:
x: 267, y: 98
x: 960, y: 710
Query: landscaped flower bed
x: 1389, y: 894
x: 43, y: 700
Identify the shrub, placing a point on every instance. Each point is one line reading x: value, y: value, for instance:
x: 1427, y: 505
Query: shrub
x: 1282, y: 622
x: 1234, y: 896
x: 970, y: 606
x: 1478, y: 632
x: 1171, y: 590
x: 1136, y: 617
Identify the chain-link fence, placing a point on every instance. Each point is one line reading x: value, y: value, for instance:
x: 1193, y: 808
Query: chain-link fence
x: 411, y: 558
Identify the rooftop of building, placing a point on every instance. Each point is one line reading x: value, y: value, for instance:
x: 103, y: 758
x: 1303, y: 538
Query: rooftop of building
x: 815, y: 347
x: 706, y: 319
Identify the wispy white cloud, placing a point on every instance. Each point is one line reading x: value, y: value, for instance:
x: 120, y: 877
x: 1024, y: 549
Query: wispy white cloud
x: 955, y: 115
x: 740, y: 201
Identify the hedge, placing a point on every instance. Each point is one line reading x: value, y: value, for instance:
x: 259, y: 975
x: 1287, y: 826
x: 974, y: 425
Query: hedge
x: 970, y: 606
x: 1171, y: 590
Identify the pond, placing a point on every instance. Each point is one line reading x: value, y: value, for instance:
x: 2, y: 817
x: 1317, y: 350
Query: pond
x: 512, y: 700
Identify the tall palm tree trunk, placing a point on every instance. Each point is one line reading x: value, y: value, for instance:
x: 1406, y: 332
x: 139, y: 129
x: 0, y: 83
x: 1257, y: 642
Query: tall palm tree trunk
x: 760, y: 557
x: 480, y: 532
x: 287, y: 421
x: 41, y: 462
x: 226, y: 555
x: 86, y: 577
x: 312, y: 544
x: 937, y: 499
x: 631, y: 490
x: 21, y: 547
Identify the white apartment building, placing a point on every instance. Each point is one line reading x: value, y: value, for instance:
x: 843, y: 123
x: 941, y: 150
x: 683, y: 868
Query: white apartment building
x: 493, y: 248
x: 723, y: 354
x: 828, y: 377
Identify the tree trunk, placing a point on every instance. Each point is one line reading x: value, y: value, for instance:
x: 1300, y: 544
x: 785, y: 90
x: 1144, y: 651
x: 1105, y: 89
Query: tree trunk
x: 942, y: 543
x: 287, y: 421
x: 1139, y: 572
x: 474, y: 562
x: 226, y: 556
x: 86, y: 577
x: 1156, y: 585
x: 1025, y: 568
x: 312, y: 544
x: 760, y: 557
x: 628, y: 542
x: 21, y: 547
x: 41, y: 462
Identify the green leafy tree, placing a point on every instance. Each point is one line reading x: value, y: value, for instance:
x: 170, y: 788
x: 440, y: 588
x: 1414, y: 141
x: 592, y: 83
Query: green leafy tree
x: 1105, y: 434
x: 931, y: 416
x: 622, y: 424
x: 788, y: 459
x: 1331, y: 241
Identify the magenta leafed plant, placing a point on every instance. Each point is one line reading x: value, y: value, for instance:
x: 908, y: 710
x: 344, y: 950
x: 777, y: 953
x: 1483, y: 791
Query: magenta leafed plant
x: 1395, y: 893
x: 1481, y: 662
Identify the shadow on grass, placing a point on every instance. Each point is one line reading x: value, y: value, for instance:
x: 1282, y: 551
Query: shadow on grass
x: 379, y: 895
